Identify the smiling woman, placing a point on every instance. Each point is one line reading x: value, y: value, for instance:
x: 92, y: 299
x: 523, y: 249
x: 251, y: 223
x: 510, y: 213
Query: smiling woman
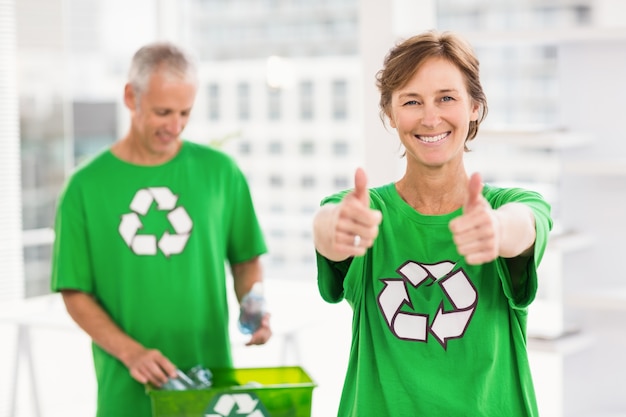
x: 480, y: 244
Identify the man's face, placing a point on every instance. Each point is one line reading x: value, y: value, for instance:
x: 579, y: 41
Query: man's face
x: 159, y: 115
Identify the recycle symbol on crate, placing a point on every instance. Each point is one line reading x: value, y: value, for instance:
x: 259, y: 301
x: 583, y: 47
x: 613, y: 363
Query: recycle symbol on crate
x: 236, y: 405
x: 146, y: 244
x: 415, y: 325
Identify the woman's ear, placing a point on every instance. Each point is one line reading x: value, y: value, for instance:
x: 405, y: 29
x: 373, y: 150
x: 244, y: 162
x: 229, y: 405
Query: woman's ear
x: 392, y: 122
x: 475, y: 111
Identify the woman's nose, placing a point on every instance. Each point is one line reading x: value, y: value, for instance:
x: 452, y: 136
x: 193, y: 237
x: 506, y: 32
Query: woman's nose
x: 430, y: 116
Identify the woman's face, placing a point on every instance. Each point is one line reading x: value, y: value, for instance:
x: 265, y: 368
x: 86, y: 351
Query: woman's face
x: 432, y: 112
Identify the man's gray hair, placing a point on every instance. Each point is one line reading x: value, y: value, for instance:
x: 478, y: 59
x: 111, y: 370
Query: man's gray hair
x: 164, y: 56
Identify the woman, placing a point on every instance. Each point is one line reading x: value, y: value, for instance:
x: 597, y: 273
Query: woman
x: 438, y: 267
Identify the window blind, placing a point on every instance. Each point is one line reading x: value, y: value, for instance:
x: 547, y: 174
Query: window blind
x: 11, y: 253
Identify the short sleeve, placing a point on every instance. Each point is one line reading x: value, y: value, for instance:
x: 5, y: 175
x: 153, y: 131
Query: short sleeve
x: 522, y: 295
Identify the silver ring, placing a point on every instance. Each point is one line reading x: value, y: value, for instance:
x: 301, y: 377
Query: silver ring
x: 357, y: 241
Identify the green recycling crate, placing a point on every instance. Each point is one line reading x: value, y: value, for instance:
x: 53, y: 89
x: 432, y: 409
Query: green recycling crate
x: 252, y: 392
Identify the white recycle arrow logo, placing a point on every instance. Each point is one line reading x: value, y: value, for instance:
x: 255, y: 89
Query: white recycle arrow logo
x: 169, y: 244
x: 244, y: 405
x: 415, y: 326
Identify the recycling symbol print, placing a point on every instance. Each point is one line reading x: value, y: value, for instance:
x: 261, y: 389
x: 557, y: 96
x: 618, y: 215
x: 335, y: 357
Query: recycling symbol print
x: 414, y: 325
x: 239, y: 405
x: 148, y: 244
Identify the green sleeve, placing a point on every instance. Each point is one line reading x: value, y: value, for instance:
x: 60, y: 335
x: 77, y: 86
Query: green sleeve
x: 71, y: 268
x: 246, y: 238
x: 331, y: 275
x: 330, y: 278
x: 522, y: 294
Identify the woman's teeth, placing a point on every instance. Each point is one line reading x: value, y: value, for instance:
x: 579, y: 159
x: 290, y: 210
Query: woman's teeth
x: 431, y: 139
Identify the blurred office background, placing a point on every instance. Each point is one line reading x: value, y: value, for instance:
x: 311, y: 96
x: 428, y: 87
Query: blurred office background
x: 287, y: 88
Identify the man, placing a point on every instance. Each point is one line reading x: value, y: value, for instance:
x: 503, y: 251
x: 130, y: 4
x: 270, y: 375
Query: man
x: 143, y: 231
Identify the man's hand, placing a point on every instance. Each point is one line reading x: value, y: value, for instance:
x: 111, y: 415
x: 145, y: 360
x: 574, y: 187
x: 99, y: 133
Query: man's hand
x: 263, y: 333
x: 145, y: 365
x: 149, y: 365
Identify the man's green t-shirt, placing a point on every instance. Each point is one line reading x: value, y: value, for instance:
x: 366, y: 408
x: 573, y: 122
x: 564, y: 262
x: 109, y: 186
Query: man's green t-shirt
x: 432, y: 335
x: 150, y: 243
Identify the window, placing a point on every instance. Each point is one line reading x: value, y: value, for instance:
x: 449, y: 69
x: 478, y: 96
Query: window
x: 308, y: 209
x: 277, y: 259
x: 341, y: 182
x: 275, y: 148
x: 307, y: 148
x: 307, y: 181
x: 340, y: 148
x: 94, y: 125
x: 276, y: 181
x: 277, y: 208
x: 583, y: 14
x: 307, y: 258
x: 339, y: 100
x: 214, y: 101
x: 277, y: 233
x: 306, y: 100
x: 243, y: 101
x: 245, y: 148
x: 273, y: 104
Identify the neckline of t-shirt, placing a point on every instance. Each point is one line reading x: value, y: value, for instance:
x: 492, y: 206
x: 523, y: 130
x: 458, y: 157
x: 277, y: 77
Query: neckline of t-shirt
x: 183, y: 148
x: 396, y: 200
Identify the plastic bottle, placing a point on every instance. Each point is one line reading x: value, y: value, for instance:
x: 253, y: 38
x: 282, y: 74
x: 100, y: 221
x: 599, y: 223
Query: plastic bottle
x: 180, y: 383
x: 252, y: 309
x: 202, y: 377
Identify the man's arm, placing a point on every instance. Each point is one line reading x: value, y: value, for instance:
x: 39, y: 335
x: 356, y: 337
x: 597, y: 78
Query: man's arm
x: 245, y: 274
x: 145, y: 365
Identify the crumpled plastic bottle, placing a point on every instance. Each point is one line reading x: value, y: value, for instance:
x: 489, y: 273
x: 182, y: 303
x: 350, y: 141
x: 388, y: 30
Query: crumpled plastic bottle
x: 202, y: 377
x: 180, y: 383
x: 252, y: 309
x: 197, y: 377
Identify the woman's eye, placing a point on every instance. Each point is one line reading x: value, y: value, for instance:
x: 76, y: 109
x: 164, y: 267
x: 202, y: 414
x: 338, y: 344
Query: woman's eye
x: 411, y: 103
x: 447, y: 98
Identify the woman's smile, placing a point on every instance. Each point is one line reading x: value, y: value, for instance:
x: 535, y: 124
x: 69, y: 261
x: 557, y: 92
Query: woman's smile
x: 433, y: 138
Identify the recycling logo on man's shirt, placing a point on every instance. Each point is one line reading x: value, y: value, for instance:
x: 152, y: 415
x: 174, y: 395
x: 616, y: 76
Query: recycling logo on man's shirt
x: 416, y: 325
x: 147, y: 244
x: 236, y: 405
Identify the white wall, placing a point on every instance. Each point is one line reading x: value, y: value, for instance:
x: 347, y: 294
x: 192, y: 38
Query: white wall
x: 593, y: 87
